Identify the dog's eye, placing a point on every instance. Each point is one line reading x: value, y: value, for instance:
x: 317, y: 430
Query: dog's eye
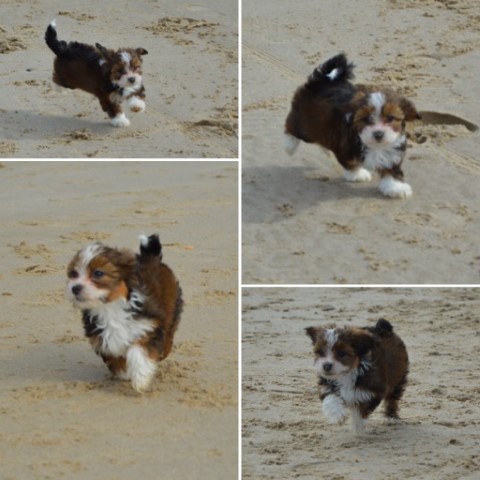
x: 368, y: 121
x: 72, y: 274
x: 320, y: 353
x: 341, y: 354
x: 98, y: 274
x: 390, y: 118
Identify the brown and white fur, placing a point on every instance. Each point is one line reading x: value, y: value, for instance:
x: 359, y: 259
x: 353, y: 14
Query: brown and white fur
x: 357, y: 369
x: 131, y: 306
x: 114, y: 77
x: 364, y: 127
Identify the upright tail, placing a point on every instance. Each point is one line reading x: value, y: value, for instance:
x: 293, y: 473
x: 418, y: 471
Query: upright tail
x: 57, y: 46
x: 383, y: 328
x: 336, y: 69
x: 150, y: 246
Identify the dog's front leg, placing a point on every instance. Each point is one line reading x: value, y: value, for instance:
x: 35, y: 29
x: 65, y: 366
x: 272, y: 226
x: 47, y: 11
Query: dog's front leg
x: 136, y: 101
x: 114, y: 111
x: 334, y: 409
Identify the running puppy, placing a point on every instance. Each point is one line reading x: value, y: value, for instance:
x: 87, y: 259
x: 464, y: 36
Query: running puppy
x: 131, y: 306
x: 364, y: 127
x: 357, y: 369
x: 114, y: 77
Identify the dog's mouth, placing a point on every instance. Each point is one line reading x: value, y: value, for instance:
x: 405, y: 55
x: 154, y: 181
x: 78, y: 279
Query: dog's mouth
x: 130, y: 82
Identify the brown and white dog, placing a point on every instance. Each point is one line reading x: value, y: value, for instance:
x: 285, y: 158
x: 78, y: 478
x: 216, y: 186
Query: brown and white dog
x: 357, y: 369
x: 364, y: 127
x: 114, y: 77
x: 131, y: 306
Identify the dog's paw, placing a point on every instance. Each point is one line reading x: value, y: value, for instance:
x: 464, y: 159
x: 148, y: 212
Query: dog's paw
x: 394, y: 188
x: 334, y: 409
x: 291, y: 143
x: 359, y: 175
x: 136, y: 105
x: 120, y: 120
x: 391, y: 420
x: 140, y: 368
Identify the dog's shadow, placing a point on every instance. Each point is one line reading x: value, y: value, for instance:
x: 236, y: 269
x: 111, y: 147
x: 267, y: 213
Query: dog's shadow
x: 45, y: 372
x: 272, y: 193
x: 33, y: 125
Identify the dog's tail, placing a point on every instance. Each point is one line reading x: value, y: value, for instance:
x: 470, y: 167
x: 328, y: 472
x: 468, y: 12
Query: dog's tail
x: 58, y: 47
x: 150, y: 247
x: 383, y: 328
x: 335, y: 70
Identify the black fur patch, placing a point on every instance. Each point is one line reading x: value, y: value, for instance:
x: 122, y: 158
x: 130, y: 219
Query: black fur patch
x: 90, y: 324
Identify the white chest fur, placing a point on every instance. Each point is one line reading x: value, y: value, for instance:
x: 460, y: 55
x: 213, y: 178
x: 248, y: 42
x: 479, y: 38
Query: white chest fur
x: 118, y: 327
x: 350, y: 393
x: 376, y: 158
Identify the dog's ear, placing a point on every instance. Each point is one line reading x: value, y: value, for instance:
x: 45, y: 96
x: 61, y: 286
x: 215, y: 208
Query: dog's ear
x: 106, y: 54
x: 141, y: 51
x: 313, y: 333
x: 355, y: 103
x: 409, y: 110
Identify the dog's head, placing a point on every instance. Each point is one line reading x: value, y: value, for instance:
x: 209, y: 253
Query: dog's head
x: 124, y: 66
x: 99, y: 274
x: 338, y: 351
x: 379, y: 118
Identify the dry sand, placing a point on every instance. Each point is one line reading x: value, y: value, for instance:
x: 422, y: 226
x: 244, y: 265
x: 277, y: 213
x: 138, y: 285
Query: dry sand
x: 302, y: 222
x: 190, y: 75
x: 62, y: 414
x: 285, y: 435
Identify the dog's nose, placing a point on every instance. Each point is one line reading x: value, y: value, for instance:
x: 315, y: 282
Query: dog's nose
x: 378, y: 135
x: 76, y: 289
x: 327, y: 366
x: 131, y: 79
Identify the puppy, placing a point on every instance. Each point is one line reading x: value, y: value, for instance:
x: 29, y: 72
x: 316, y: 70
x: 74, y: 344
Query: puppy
x: 131, y: 306
x: 114, y: 77
x: 357, y: 369
x: 363, y: 127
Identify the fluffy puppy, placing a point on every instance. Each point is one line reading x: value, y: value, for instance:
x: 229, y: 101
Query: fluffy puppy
x: 114, y: 77
x: 131, y: 306
x: 363, y: 126
x: 357, y: 369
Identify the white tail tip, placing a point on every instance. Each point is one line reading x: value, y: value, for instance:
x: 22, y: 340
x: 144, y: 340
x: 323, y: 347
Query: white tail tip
x: 143, y: 240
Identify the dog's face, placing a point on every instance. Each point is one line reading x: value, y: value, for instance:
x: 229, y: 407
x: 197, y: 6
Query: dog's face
x: 125, y: 67
x: 338, y: 351
x: 98, y: 274
x: 380, y: 119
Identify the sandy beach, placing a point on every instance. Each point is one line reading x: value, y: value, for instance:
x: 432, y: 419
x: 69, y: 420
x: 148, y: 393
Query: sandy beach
x: 63, y: 416
x: 285, y: 435
x: 301, y: 222
x: 190, y: 76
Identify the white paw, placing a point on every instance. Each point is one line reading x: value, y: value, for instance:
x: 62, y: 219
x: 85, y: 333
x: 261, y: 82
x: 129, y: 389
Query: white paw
x: 136, y: 104
x: 358, y: 422
x: 391, y: 421
x: 140, y: 368
x: 359, y: 175
x: 394, y: 188
x: 291, y: 143
x: 120, y: 120
x: 334, y: 409
x: 141, y: 383
x: 122, y: 375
